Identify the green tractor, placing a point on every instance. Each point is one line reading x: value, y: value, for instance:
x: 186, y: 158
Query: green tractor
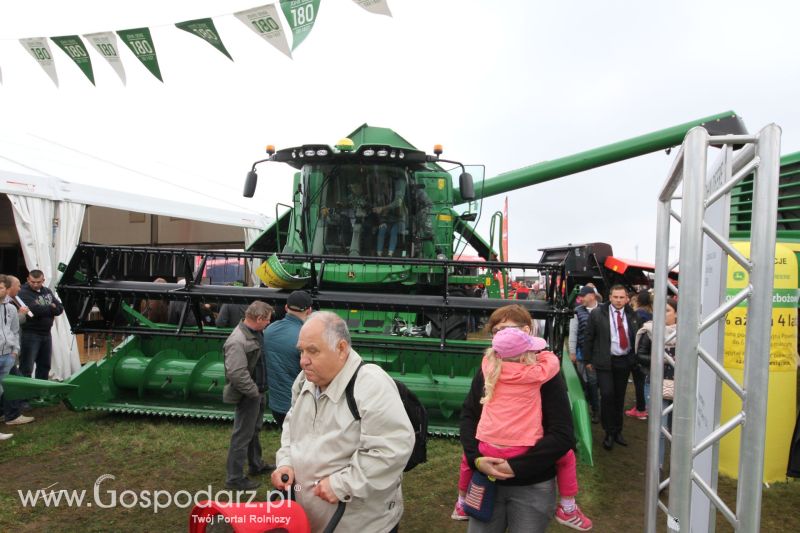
x: 374, y: 235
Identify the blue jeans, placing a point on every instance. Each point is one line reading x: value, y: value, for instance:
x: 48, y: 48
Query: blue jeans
x: 393, y: 228
x: 6, y: 362
x: 11, y: 408
x: 36, y: 348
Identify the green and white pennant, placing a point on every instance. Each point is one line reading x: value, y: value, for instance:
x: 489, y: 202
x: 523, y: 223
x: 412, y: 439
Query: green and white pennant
x: 105, y: 42
x: 301, y: 15
x: 38, y: 48
x: 266, y: 23
x: 141, y: 44
x: 379, y: 7
x: 205, y: 29
x: 74, y: 48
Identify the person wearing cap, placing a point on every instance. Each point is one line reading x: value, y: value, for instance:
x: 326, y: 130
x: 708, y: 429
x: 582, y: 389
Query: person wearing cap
x: 282, y: 355
x: 609, y: 349
x: 577, y: 334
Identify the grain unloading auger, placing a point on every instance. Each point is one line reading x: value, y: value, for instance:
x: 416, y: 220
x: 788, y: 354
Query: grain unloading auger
x: 406, y: 304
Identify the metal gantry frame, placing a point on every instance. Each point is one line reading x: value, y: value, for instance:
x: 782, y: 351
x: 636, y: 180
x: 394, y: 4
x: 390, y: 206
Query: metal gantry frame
x: 686, y: 185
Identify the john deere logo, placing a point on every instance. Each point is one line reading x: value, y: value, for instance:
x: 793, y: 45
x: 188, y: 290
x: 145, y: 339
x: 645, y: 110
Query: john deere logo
x: 351, y: 274
x: 738, y: 275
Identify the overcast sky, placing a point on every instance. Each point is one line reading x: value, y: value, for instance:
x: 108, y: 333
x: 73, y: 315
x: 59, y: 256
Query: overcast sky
x: 504, y: 83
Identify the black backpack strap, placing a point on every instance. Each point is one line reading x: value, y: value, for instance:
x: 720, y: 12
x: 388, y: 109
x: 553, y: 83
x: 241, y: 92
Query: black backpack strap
x: 349, y: 395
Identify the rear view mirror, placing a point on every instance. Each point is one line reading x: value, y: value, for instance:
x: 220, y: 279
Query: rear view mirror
x: 466, y: 187
x: 250, y: 184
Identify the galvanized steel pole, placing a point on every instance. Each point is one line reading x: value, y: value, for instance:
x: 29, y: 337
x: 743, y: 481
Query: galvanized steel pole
x: 759, y: 318
x: 654, y: 421
x: 685, y: 402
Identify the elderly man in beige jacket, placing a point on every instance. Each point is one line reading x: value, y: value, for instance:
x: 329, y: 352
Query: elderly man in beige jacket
x: 328, y: 456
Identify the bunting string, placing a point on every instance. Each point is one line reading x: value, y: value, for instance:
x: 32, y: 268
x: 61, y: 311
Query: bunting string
x: 267, y: 21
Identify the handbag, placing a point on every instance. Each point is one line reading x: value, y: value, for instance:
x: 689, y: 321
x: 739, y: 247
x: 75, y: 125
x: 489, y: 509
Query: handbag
x: 479, y: 500
x: 668, y: 389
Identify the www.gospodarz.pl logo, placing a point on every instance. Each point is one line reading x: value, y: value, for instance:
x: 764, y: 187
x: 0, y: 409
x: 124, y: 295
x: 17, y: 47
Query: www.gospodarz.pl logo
x: 109, y: 498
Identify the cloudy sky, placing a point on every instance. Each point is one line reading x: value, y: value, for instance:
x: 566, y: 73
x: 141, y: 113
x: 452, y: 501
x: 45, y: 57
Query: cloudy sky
x: 504, y: 84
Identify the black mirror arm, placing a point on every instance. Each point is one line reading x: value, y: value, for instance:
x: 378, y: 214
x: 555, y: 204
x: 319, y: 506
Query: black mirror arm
x: 260, y: 161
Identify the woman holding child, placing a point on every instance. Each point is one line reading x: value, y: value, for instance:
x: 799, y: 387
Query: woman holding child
x: 523, y: 465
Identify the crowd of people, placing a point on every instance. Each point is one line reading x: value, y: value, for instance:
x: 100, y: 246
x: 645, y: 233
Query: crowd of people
x: 307, y: 363
x: 528, y: 454
x: 26, y: 318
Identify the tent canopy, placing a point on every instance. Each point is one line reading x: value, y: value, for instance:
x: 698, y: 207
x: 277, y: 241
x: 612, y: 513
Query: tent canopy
x: 115, y: 176
x: 52, y: 188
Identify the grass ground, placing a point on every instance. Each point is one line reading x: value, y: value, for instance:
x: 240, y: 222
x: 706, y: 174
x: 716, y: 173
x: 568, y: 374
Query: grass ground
x: 68, y: 450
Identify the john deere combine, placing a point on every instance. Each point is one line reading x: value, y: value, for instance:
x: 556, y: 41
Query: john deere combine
x: 373, y: 233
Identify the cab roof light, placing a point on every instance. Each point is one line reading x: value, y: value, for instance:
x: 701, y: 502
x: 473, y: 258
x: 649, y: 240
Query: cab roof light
x: 437, y: 149
x: 345, y: 145
x: 271, y: 149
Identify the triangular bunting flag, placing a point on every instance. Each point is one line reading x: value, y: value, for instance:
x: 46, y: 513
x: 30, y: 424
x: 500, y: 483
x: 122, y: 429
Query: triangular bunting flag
x: 205, y: 29
x: 73, y: 47
x: 38, y: 48
x: 105, y: 42
x: 379, y: 7
x: 265, y: 22
x: 300, y: 14
x: 141, y: 44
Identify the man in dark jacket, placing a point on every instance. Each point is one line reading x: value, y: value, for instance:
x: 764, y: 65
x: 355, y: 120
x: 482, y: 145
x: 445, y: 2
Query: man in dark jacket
x: 36, y: 342
x: 608, y: 348
x: 577, y: 334
x: 245, y: 383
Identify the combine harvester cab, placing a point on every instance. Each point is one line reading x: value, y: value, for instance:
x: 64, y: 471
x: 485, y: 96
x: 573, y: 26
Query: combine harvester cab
x: 408, y: 311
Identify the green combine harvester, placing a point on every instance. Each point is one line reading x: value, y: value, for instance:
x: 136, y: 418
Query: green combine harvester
x: 374, y: 234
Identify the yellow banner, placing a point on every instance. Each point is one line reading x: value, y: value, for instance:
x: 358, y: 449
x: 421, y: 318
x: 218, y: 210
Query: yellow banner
x: 781, y: 391
x: 783, y: 344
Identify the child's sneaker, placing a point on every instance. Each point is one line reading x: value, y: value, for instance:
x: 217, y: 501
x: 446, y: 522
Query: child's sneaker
x: 576, y: 519
x: 633, y: 412
x: 458, y: 512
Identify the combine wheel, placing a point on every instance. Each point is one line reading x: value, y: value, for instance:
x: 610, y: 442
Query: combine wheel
x: 456, y: 322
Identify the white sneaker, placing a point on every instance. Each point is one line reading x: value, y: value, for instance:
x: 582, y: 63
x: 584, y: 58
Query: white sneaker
x: 21, y: 419
x: 6, y: 436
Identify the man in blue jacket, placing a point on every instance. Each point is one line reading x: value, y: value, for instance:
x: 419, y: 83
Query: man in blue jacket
x: 37, y: 344
x: 283, y: 357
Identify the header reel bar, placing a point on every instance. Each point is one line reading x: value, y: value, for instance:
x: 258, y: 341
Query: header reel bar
x: 98, y: 277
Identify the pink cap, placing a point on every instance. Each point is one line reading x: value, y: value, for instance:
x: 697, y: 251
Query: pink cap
x: 511, y: 342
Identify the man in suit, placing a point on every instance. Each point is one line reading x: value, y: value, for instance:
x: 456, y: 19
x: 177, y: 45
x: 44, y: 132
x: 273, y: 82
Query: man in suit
x: 608, y: 349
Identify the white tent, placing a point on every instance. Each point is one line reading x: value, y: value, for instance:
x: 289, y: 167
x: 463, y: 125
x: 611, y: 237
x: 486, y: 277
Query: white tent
x: 49, y: 212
